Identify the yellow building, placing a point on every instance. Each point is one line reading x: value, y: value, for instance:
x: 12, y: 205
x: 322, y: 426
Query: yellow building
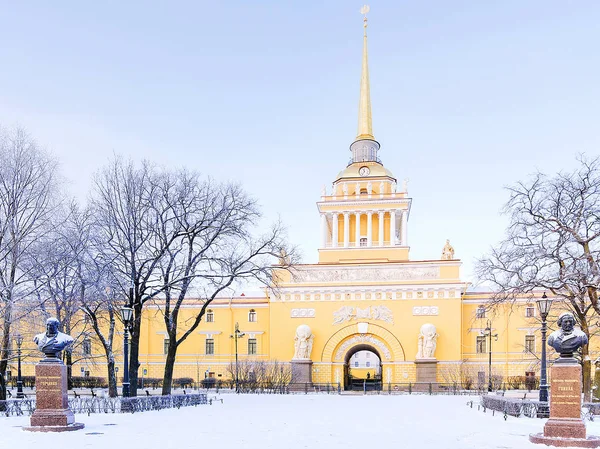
x: 417, y: 318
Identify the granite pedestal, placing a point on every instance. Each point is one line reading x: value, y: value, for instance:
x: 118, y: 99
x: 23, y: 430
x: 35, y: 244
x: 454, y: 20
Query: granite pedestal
x: 52, y: 413
x: 426, y: 371
x: 565, y: 428
x: 301, y: 374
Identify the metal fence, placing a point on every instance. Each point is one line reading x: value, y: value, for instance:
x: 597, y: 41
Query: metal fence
x: 89, y: 405
x: 366, y: 387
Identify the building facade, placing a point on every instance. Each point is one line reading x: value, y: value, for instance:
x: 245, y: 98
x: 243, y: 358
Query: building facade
x: 365, y: 301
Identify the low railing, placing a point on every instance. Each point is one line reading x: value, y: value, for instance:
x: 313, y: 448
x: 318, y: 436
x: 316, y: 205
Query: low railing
x: 89, y: 405
x: 367, y: 387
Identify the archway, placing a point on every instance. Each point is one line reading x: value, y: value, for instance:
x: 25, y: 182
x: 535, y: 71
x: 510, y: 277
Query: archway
x: 363, y: 368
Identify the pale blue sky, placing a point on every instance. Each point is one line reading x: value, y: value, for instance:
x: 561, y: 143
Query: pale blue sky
x: 468, y: 96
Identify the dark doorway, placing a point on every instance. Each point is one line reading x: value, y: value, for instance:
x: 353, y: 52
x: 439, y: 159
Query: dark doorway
x: 362, y: 369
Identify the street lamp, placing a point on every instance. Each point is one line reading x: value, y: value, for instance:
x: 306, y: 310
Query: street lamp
x: 20, y: 394
x: 126, y: 314
x: 488, y: 333
x: 236, y: 334
x: 544, y: 304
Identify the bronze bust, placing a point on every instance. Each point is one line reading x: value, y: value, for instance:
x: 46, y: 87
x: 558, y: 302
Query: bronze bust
x: 567, y: 339
x: 52, y: 342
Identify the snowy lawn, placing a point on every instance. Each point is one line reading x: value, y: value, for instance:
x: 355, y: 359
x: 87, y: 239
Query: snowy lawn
x: 293, y: 422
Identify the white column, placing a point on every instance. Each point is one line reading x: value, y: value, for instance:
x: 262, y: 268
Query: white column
x: 393, y: 227
x: 334, y: 230
x: 369, y: 228
x: 404, y: 227
x: 381, y: 219
x: 346, y: 229
x: 357, y: 233
x: 323, y: 230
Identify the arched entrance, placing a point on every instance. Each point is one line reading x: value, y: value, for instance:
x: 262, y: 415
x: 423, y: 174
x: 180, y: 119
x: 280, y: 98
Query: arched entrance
x: 363, y: 368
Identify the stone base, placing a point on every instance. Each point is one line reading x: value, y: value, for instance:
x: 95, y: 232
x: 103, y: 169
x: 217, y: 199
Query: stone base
x: 69, y: 428
x: 49, y: 417
x: 540, y: 438
x: 564, y: 428
x: 52, y: 413
x: 301, y: 374
x: 426, y: 371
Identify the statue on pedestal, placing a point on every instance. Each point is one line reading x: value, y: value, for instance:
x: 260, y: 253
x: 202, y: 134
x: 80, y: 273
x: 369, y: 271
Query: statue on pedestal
x: 427, y: 342
x: 303, y: 342
x: 52, y: 342
x: 567, y: 339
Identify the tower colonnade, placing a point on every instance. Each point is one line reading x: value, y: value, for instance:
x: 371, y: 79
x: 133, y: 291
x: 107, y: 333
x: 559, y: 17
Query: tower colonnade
x: 364, y: 228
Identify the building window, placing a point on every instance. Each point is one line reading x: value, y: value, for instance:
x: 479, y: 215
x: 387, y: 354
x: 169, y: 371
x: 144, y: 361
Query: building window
x: 368, y: 364
x: 210, y: 316
x: 368, y: 355
x: 86, y: 346
x: 252, y: 346
x: 210, y: 346
x: 166, y: 346
x: 529, y: 343
x: 480, y: 312
x: 252, y: 316
x: 356, y: 364
x: 530, y: 312
x: 481, y: 344
x: 363, y: 241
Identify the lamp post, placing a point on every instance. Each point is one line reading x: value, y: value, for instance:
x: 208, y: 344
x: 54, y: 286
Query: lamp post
x: 126, y: 313
x: 488, y: 333
x: 20, y: 394
x: 544, y: 304
x: 236, y: 334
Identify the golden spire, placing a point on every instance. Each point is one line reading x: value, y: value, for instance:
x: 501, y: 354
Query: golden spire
x: 365, y: 127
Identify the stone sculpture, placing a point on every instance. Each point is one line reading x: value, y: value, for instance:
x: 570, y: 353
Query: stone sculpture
x: 567, y: 339
x: 303, y: 342
x: 448, y: 251
x: 427, y: 342
x: 52, y: 342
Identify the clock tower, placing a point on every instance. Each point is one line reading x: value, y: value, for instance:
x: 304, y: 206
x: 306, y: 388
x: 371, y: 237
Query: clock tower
x: 365, y: 216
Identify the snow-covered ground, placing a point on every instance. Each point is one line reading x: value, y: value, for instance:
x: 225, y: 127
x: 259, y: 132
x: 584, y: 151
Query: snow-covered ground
x: 294, y: 422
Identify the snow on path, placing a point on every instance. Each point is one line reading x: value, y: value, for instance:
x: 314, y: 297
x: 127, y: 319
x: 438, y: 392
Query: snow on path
x: 295, y: 422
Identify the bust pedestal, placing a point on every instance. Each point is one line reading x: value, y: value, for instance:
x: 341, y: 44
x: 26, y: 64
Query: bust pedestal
x: 301, y: 375
x: 565, y: 428
x: 52, y: 413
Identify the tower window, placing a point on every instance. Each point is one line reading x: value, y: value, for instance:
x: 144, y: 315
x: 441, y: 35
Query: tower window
x: 363, y: 191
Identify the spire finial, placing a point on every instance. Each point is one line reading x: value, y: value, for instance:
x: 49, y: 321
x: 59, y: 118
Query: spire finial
x: 364, y: 11
x: 365, y: 127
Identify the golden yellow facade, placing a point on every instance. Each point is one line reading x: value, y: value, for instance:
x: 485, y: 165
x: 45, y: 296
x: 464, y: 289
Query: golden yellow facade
x: 365, y: 293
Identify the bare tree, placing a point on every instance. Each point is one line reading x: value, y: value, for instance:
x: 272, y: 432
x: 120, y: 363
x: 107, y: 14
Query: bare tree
x: 209, y: 235
x: 28, y: 183
x: 129, y: 212
x: 56, y: 267
x: 552, y: 243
